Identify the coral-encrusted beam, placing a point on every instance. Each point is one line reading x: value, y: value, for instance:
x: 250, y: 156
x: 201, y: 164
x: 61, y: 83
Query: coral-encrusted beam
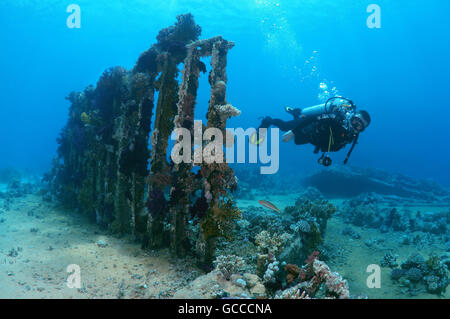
x: 181, y: 174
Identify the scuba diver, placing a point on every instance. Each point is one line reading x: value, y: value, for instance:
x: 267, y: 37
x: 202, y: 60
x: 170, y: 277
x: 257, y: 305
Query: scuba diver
x: 329, y: 127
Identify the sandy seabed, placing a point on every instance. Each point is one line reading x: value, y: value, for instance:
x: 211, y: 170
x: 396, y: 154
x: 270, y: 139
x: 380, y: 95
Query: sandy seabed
x: 47, y: 240
x: 39, y: 240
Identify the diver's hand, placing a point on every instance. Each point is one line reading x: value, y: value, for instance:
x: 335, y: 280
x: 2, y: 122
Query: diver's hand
x: 288, y: 136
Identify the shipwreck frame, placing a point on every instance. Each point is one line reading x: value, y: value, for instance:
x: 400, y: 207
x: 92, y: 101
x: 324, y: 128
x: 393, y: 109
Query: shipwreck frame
x: 103, y: 154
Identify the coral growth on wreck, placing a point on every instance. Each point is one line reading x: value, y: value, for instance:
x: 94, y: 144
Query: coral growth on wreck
x: 106, y: 145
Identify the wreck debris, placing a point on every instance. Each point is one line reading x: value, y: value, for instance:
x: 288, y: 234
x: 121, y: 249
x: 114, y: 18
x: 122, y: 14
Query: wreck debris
x: 364, y: 180
x: 103, y: 154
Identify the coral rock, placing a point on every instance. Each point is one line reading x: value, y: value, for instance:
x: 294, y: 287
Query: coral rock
x: 292, y: 273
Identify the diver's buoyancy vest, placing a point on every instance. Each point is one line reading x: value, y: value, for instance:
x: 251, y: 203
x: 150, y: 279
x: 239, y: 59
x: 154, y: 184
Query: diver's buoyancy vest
x: 322, y: 127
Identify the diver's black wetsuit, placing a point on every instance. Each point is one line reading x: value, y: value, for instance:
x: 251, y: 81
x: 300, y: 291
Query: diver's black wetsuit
x: 317, y: 131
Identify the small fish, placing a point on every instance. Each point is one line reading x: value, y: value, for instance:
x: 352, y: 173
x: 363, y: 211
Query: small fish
x: 269, y: 205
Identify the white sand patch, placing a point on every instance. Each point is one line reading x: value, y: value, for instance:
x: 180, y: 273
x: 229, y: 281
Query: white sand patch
x: 47, y: 240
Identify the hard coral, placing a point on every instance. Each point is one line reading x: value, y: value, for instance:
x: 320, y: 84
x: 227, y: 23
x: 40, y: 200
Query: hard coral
x: 292, y: 293
x: 271, y: 243
x: 270, y: 276
x: 432, y: 273
x: 335, y: 285
x: 229, y: 265
x: 389, y: 260
x: 311, y: 258
x: 292, y: 273
x: 320, y: 210
x: 313, y: 276
x: 226, y: 111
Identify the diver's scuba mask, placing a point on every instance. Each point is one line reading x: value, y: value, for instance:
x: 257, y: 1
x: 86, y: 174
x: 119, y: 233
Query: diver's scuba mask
x: 358, y: 123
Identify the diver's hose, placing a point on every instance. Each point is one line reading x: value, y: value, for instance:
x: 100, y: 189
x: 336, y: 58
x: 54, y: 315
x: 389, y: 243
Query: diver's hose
x: 351, y: 149
x: 331, y: 140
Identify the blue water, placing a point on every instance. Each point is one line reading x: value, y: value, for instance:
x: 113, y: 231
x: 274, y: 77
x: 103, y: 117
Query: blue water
x: 399, y: 73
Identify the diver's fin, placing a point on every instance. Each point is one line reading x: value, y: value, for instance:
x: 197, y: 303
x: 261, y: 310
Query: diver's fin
x: 295, y: 112
x: 256, y: 138
x: 288, y: 136
x: 288, y: 109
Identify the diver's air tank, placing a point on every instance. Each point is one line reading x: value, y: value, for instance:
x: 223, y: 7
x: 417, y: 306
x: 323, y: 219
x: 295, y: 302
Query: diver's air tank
x: 332, y: 105
x: 316, y: 110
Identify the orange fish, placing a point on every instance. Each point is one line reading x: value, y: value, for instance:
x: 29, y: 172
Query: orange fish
x: 269, y: 205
